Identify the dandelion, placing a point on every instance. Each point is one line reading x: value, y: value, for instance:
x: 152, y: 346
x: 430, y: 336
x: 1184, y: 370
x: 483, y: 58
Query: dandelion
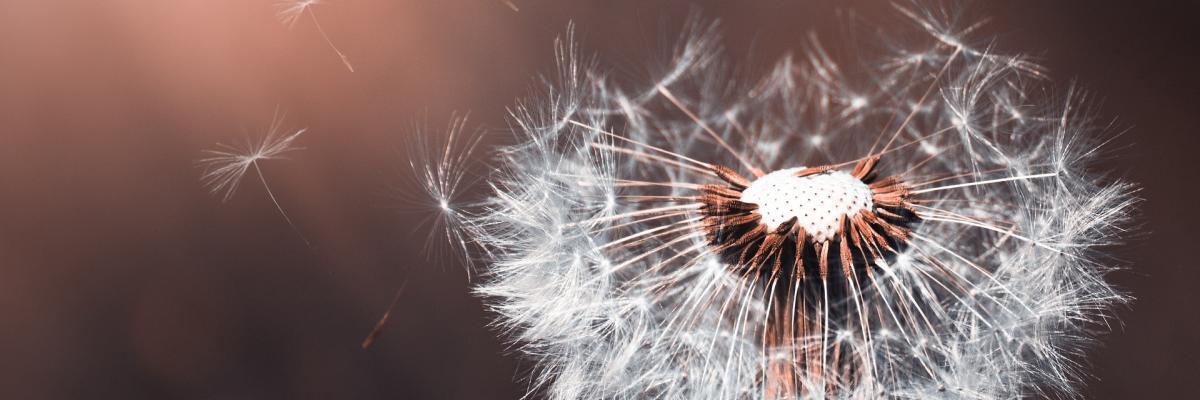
x: 924, y: 225
x: 225, y: 167
x: 291, y: 11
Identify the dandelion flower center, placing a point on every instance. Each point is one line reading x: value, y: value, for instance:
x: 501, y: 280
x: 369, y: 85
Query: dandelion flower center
x: 834, y: 218
x: 818, y: 202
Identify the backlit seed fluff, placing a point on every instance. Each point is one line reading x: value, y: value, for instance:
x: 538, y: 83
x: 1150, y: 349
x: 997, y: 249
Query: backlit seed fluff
x: 920, y: 225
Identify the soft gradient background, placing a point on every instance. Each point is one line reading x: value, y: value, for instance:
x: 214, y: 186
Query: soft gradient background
x: 121, y: 277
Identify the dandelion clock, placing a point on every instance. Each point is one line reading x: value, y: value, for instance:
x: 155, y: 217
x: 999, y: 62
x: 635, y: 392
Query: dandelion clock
x: 921, y: 225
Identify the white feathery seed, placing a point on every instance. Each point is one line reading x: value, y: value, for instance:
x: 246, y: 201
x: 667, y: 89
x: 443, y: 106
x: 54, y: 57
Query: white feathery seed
x: 440, y: 163
x: 224, y: 168
x: 290, y: 11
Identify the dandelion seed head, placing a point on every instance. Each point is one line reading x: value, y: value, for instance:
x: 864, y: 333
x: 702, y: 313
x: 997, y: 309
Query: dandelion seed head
x: 657, y: 240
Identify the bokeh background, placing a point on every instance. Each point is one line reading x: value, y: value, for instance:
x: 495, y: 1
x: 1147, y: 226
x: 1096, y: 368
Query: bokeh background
x: 121, y: 277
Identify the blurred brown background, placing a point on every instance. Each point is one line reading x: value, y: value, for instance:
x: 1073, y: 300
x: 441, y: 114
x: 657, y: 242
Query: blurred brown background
x: 121, y: 277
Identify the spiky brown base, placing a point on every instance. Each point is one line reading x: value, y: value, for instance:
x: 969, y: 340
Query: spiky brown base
x: 796, y: 269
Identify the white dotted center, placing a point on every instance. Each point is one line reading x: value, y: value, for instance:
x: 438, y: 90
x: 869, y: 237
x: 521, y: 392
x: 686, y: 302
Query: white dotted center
x: 817, y: 201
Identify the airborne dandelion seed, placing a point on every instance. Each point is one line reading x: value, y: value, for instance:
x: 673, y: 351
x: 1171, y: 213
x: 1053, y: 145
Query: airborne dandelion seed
x: 440, y: 163
x: 291, y: 11
x: 225, y: 168
x: 682, y: 239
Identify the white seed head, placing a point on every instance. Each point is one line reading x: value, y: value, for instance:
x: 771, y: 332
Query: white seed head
x: 612, y: 235
x: 818, y: 202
